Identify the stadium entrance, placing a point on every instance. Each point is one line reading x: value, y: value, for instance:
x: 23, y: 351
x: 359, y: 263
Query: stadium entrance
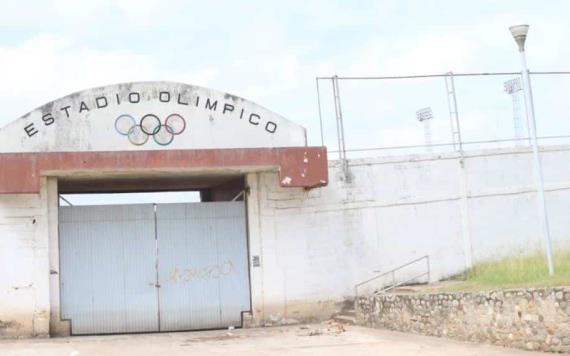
x: 139, y: 267
x: 153, y: 267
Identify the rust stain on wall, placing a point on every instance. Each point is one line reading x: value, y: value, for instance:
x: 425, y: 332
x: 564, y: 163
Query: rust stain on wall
x: 300, y: 167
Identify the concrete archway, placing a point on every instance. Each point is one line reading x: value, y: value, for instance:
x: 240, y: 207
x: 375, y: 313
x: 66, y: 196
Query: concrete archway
x: 133, y: 137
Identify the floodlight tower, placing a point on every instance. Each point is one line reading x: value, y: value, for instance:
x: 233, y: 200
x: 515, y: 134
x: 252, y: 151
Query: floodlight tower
x: 425, y: 116
x: 519, y: 33
x: 513, y: 87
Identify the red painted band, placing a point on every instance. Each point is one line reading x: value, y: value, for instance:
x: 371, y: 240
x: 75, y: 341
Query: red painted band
x: 305, y: 167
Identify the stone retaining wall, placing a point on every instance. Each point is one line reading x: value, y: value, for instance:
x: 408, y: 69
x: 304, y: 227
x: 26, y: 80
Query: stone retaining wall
x: 532, y: 319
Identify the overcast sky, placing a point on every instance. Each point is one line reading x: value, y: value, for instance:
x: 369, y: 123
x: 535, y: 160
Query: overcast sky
x: 270, y: 52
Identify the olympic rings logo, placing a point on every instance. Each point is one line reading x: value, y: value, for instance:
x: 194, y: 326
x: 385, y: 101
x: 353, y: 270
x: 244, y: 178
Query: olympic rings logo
x: 148, y: 126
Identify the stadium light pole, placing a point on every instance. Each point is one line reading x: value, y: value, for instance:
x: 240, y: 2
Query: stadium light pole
x: 425, y: 116
x: 519, y: 33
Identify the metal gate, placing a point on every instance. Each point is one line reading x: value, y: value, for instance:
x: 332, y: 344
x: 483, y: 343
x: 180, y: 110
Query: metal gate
x: 145, y: 268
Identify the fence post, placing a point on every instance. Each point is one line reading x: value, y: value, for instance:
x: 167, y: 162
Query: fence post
x: 453, y: 113
x: 340, y: 129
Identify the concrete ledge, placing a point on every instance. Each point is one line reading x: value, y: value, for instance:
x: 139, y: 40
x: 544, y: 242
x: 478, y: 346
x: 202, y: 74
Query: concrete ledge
x: 531, y: 319
x: 298, y: 167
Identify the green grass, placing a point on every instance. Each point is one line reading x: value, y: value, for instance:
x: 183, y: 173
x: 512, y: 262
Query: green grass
x: 515, y: 272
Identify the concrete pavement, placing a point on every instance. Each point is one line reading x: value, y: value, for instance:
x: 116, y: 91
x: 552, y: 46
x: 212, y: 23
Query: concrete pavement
x: 316, y: 339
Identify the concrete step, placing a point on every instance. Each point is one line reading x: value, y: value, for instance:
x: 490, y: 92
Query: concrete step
x: 345, y: 319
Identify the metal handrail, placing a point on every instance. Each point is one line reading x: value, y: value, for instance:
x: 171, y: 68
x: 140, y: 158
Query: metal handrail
x: 401, y: 283
x: 393, y: 272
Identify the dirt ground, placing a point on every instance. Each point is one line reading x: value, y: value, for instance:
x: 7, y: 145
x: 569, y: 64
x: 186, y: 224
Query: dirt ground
x: 316, y: 339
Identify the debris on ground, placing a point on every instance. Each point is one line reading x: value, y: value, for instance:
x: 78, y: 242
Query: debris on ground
x: 336, y: 327
x: 316, y: 332
x: 330, y: 327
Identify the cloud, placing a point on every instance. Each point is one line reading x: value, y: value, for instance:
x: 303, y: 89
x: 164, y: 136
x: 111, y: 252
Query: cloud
x: 271, y: 53
x: 47, y: 67
x: 433, y: 54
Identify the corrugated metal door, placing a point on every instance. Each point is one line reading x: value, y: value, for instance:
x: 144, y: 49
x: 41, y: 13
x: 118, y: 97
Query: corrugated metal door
x: 202, y: 265
x: 144, y: 268
x: 108, y: 272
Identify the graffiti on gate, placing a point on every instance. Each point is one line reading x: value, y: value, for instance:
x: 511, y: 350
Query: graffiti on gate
x: 202, y: 273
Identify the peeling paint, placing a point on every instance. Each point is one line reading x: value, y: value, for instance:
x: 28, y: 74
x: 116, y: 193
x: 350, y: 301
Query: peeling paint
x: 24, y: 170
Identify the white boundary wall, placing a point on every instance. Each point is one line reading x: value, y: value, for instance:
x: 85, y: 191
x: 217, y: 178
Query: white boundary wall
x: 315, y: 245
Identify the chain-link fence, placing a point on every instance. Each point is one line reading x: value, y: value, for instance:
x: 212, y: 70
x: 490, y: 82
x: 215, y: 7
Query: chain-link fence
x: 383, y: 116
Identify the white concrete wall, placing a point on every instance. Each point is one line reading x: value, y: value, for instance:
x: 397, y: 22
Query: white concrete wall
x: 316, y: 245
x: 24, y: 268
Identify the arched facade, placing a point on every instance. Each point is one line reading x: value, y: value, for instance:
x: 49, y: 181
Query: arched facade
x: 138, y: 137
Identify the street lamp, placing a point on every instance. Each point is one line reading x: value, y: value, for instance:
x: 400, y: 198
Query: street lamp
x: 519, y: 33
